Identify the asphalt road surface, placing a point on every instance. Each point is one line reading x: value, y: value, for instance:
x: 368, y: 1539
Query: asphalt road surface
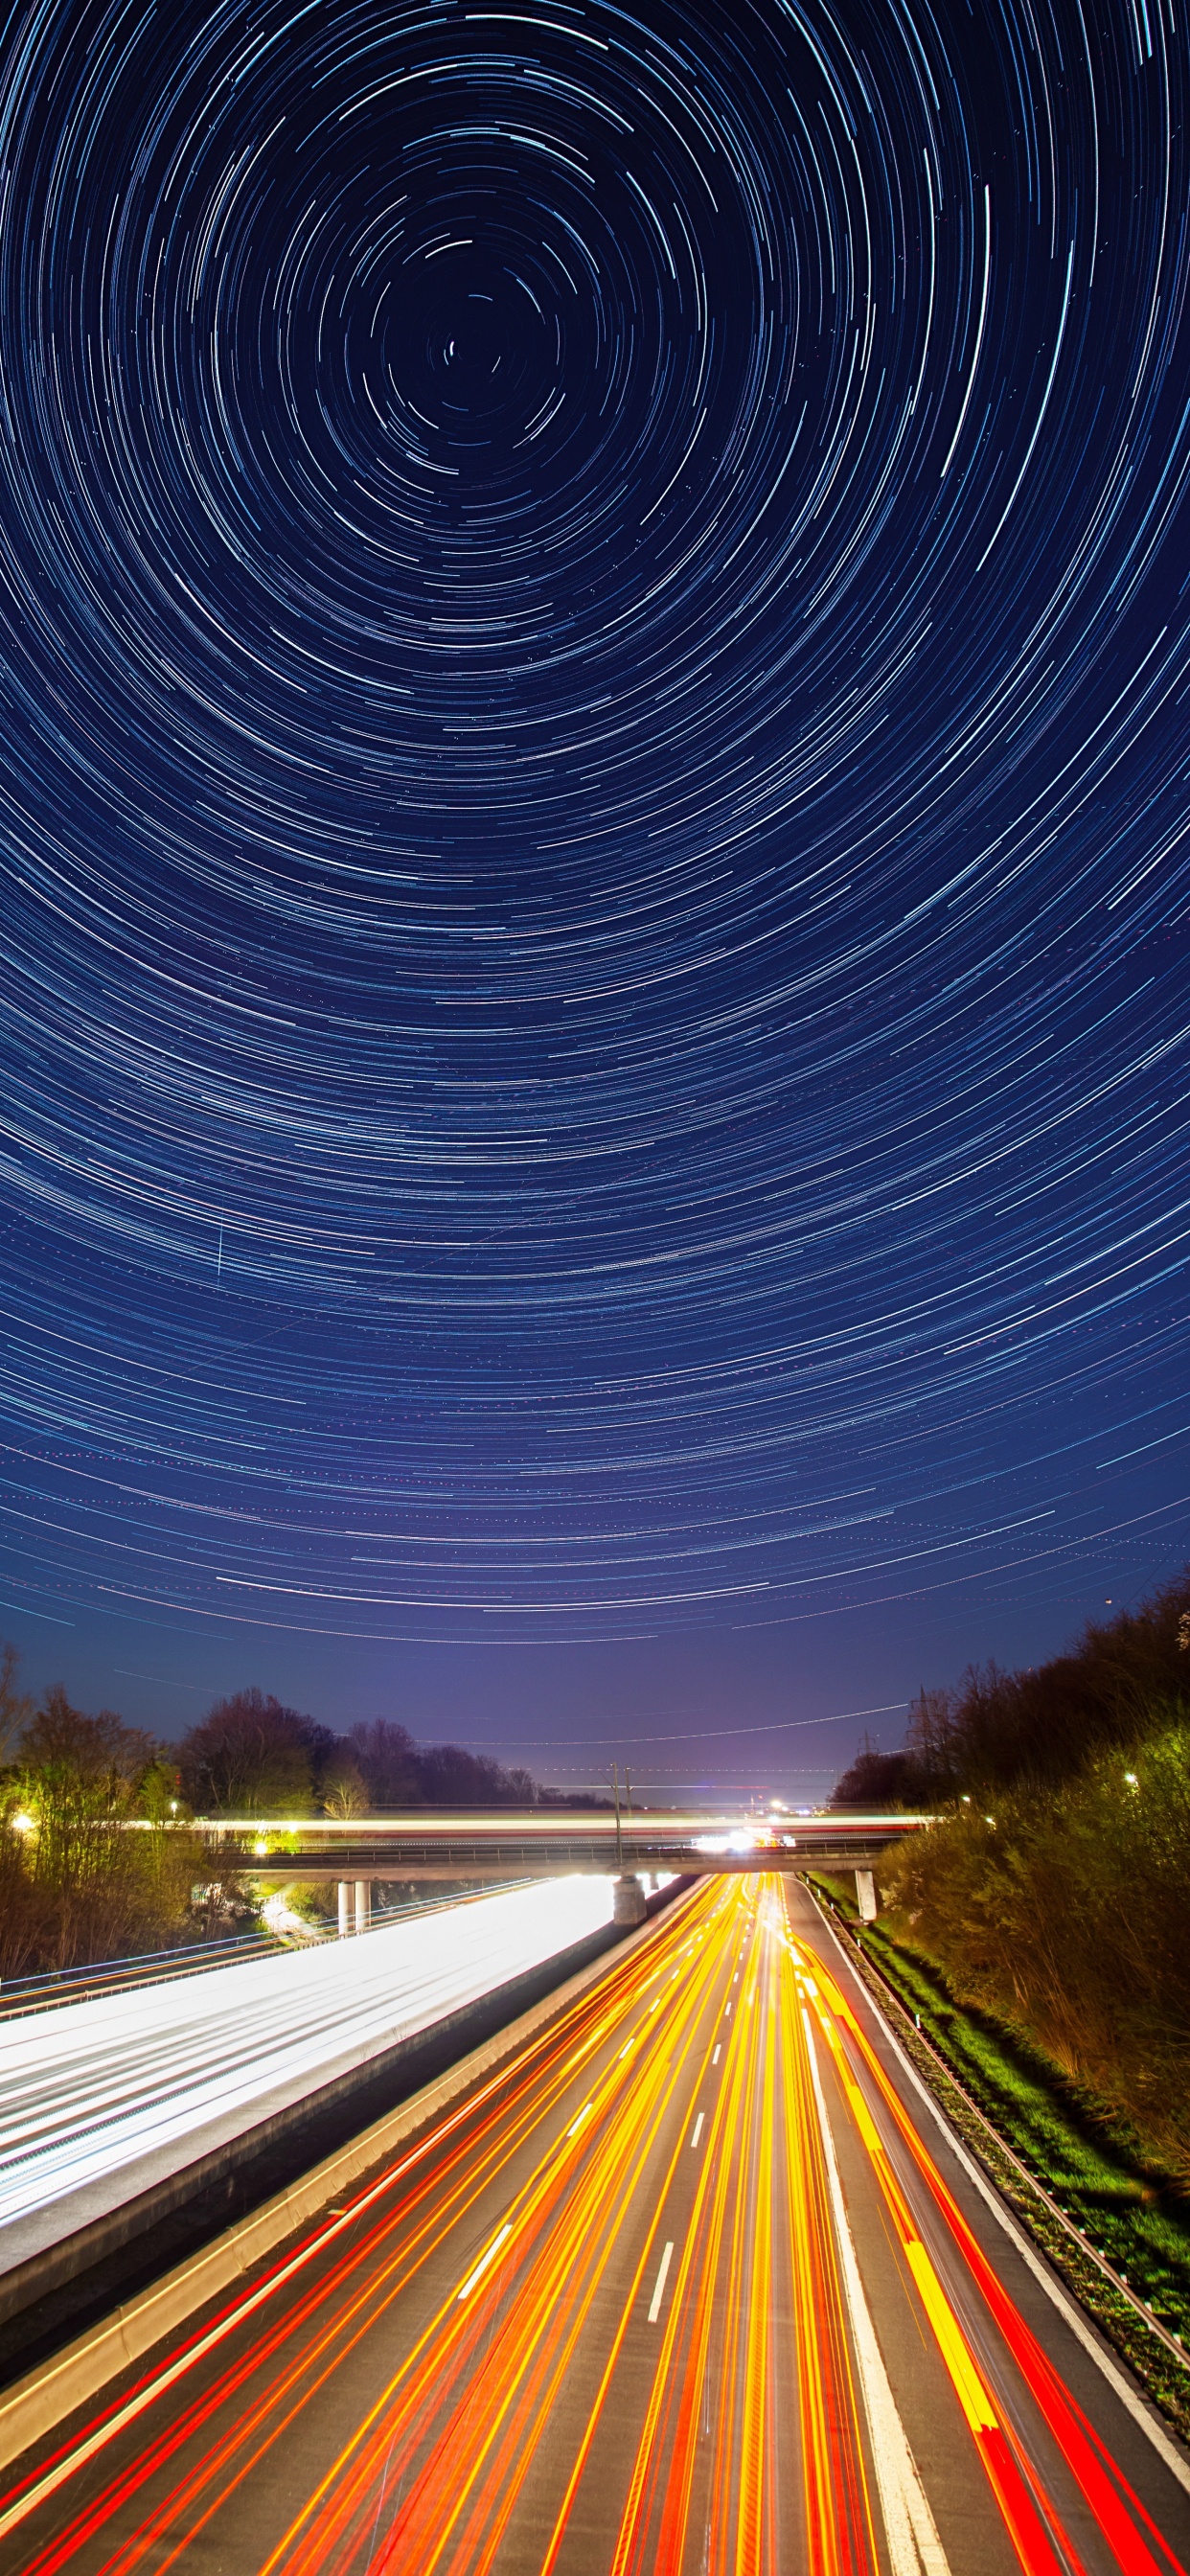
x: 693, y: 2285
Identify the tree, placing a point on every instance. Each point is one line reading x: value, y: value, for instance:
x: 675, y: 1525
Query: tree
x: 344, y: 1789
x: 452, y: 1777
x: 1060, y: 1909
x: 16, y: 1708
x: 79, y: 1777
x: 388, y: 1759
x: 400, y: 1773
x: 104, y: 1869
x: 930, y: 1739
x: 878, y: 1780
x: 1043, y: 1724
x: 252, y: 1756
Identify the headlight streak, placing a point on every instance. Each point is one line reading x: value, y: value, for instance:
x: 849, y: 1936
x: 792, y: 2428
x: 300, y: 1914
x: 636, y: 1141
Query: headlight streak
x: 90, y: 2089
x: 591, y: 653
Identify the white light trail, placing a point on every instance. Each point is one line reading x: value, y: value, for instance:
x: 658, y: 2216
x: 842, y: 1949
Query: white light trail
x: 94, y: 2089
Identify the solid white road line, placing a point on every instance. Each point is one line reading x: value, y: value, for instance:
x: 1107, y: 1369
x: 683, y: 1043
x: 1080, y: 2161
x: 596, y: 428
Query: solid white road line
x: 914, y: 2548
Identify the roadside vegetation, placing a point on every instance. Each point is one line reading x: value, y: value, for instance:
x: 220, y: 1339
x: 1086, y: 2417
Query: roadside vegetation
x: 1102, y: 2216
x: 1038, y: 1931
x: 1061, y: 1910
x: 1051, y: 1890
x: 95, y: 1859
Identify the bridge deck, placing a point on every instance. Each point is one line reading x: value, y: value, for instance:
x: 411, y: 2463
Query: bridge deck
x: 512, y: 1846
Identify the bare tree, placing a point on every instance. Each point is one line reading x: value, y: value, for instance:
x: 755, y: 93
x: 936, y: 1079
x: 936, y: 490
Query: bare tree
x: 388, y: 1758
x: 252, y: 1756
x: 344, y: 1789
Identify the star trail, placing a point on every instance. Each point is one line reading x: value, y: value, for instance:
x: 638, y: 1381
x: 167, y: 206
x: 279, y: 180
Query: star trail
x: 596, y: 846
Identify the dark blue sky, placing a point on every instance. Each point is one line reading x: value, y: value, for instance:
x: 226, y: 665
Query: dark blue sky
x: 593, y: 657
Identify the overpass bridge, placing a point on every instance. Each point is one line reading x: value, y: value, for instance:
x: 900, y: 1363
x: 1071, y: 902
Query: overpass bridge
x: 502, y: 1844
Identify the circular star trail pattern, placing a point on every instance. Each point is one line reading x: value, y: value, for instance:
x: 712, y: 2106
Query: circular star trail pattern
x: 593, y: 646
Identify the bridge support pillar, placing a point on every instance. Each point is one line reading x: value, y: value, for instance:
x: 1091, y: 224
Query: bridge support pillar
x: 363, y: 1904
x: 346, y: 1908
x: 865, y: 1895
x: 628, y: 1900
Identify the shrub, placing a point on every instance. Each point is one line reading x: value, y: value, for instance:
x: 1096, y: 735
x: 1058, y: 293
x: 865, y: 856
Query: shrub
x: 1060, y: 1907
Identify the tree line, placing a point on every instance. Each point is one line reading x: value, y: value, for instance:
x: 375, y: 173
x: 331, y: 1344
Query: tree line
x: 102, y: 1855
x: 997, y: 1728
x: 1051, y: 1888
x: 253, y: 1756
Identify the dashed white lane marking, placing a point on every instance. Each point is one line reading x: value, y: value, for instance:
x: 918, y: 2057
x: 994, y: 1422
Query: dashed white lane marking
x: 659, y: 2291
x: 484, y: 2260
x: 698, y: 2128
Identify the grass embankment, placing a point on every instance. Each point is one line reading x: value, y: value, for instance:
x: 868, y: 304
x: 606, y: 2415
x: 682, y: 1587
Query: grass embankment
x: 1130, y: 2211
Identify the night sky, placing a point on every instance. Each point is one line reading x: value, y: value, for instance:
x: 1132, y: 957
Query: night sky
x: 594, y: 649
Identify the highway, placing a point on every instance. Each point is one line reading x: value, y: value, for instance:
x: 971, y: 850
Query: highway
x: 693, y: 2284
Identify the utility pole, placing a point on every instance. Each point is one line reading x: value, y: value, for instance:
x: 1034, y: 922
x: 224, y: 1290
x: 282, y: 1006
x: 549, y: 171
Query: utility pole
x: 628, y: 1901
